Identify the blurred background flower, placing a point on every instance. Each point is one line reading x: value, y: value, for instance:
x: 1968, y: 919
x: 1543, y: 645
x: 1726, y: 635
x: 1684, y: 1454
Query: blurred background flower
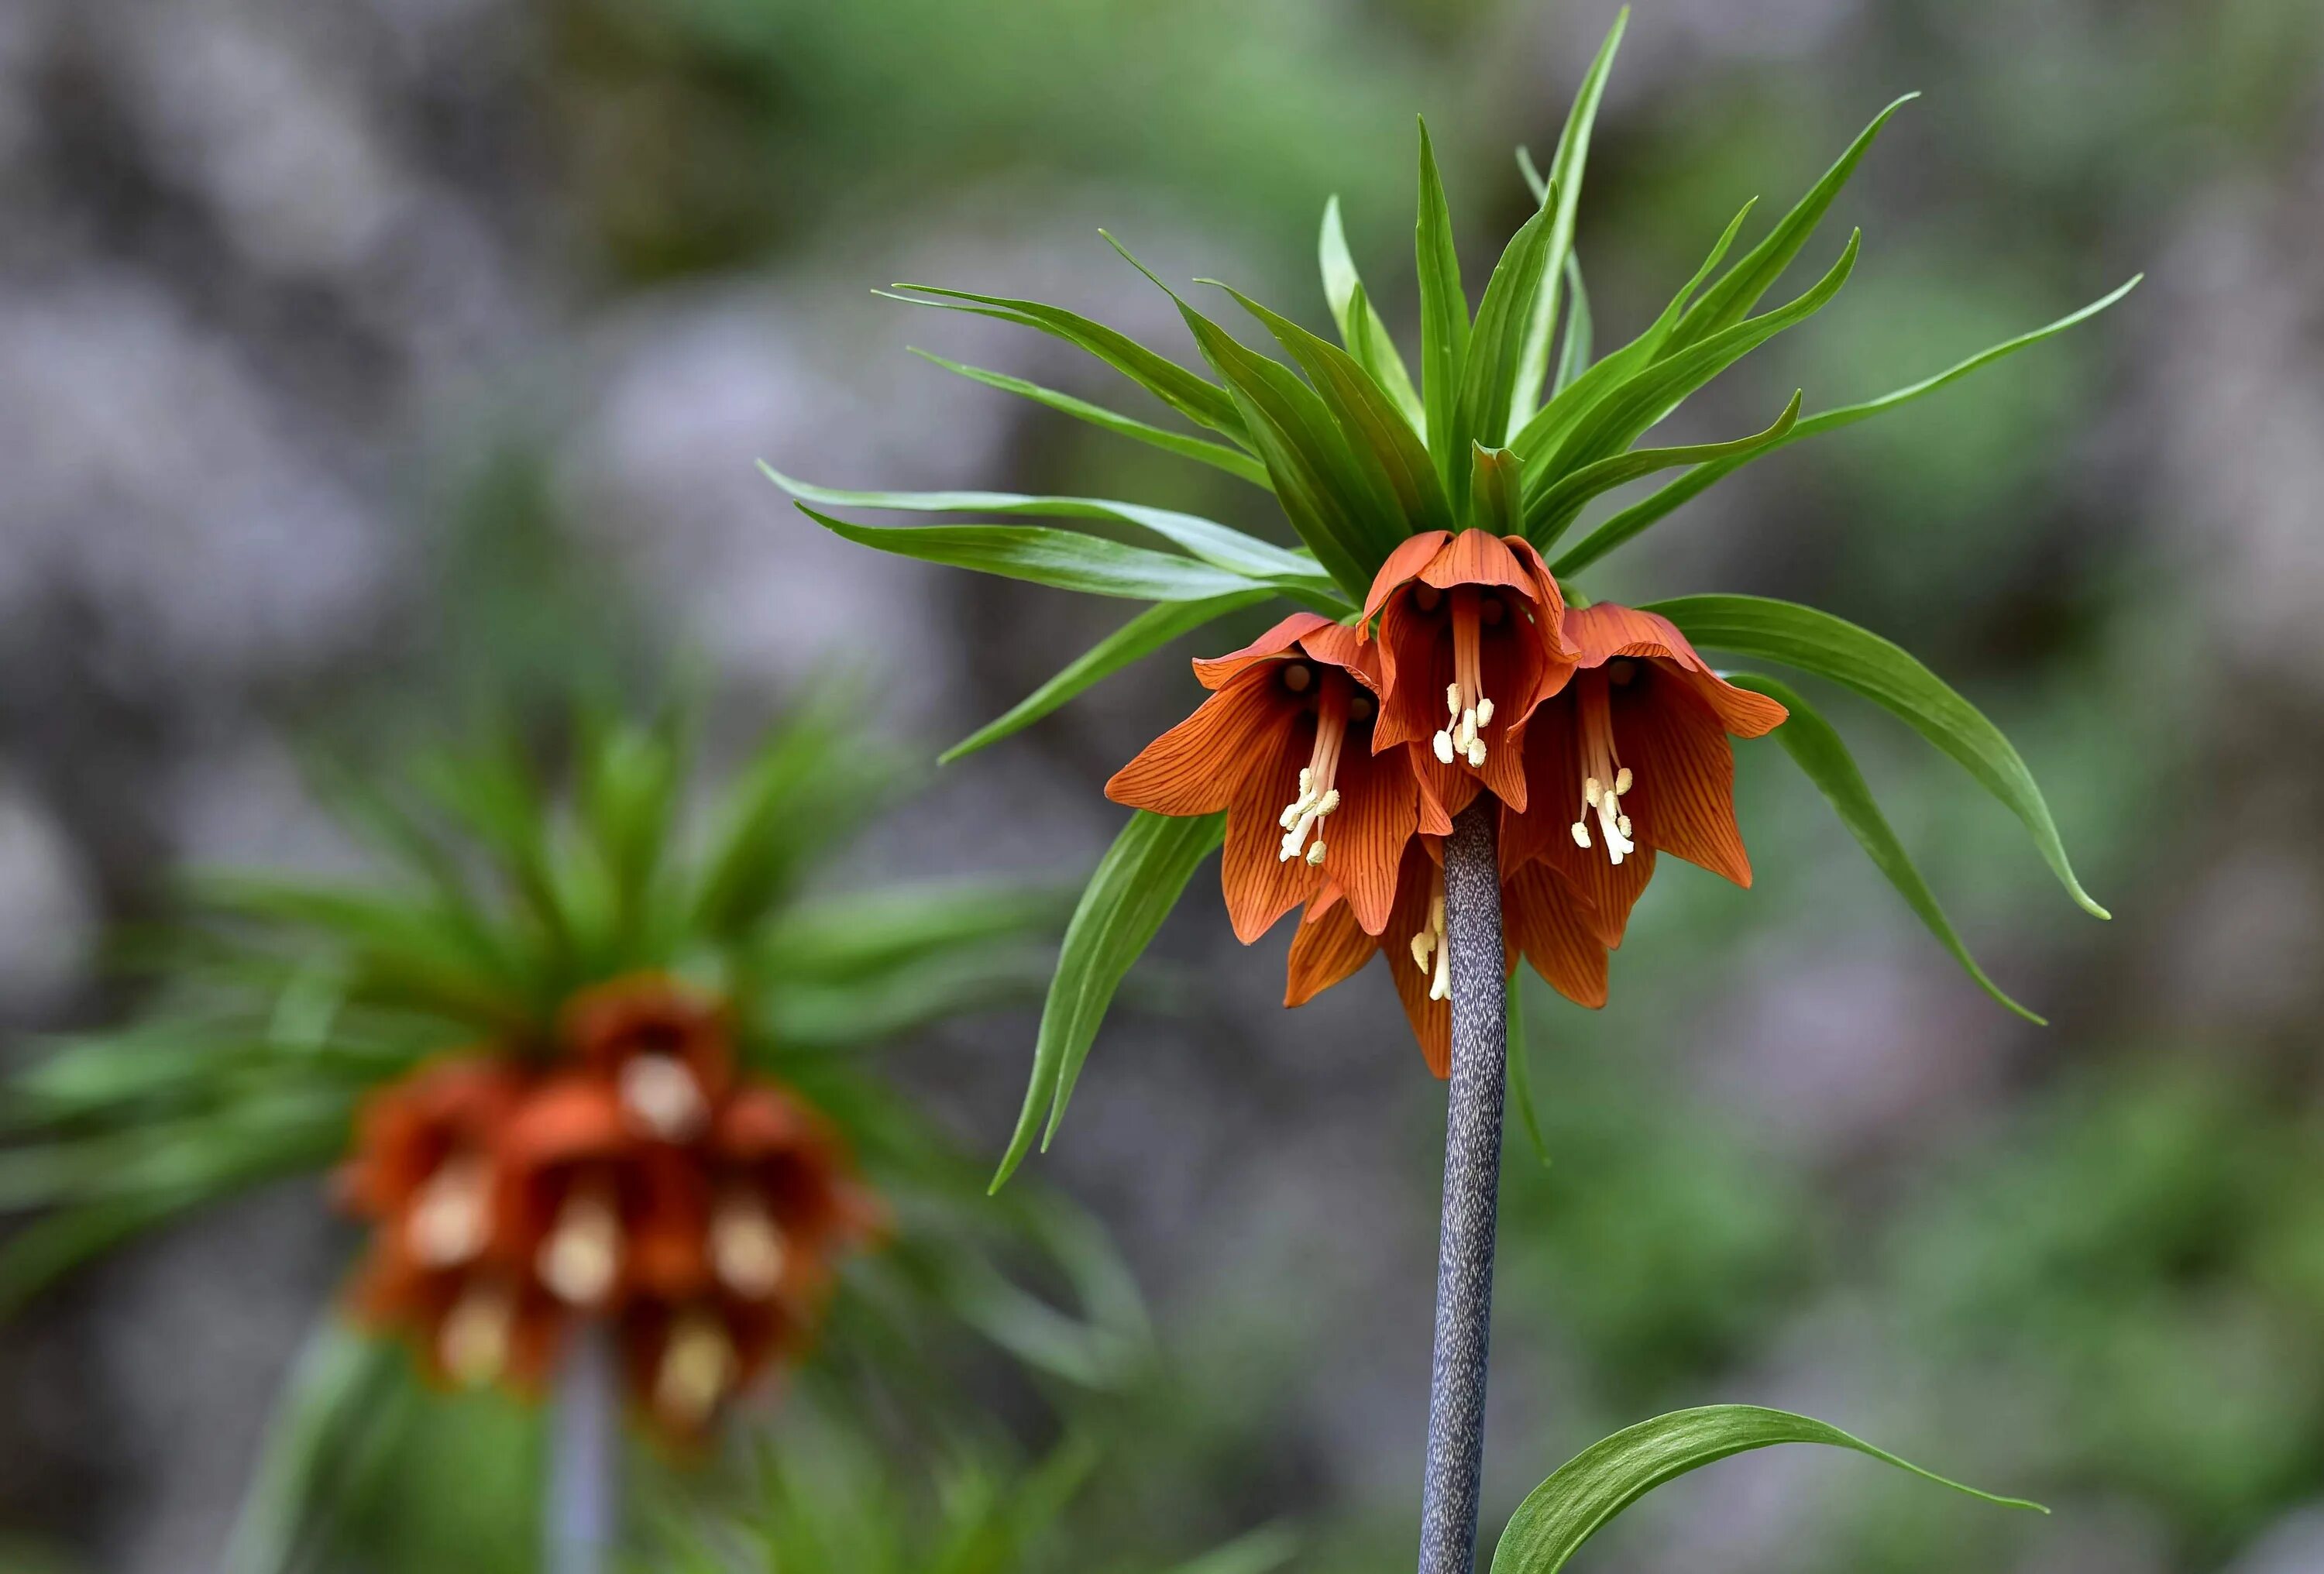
x: 370, y: 362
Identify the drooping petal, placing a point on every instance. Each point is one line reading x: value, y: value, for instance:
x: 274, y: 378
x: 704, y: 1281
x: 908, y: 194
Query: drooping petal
x: 1686, y: 772
x: 1213, y: 672
x: 570, y: 1117
x: 1416, y: 665
x: 1431, y: 1020
x: 1330, y: 948
x: 1476, y: 556
x: 1605, y: 630
x: 1405, y: 564
x: 1345, y: 647
x: 1548, y: 920
x: 1260, y: 884
x: 1444, y: 789
x: 1549, y: 599
x: 1193, y: 768
x: 1364, y: 838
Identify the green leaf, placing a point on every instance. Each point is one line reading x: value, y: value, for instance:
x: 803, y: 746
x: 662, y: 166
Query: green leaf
x: 1143, y: 635
x: 1198, y: 398
x: 1134, y: 888
x: 1497, y: 489
x: 1829, y: 647
x: 340, y: 1387
x: 1344, y: 513
x: 1565, y: 170
x: 872, y: 933
x: 1375, y: 430
x: 1602, y: 1480
x: 1443, y: 322
x: 1218, y: 456
x: 1573, y: 355
x: 1061, y: 559
x: 1593, y: 383
x: 1617, y: 419
x: 1548, y: 515
x: 1258, y: 1551
x: 1361, y: 328
x: 1521, y: 1073
x: 1496, y: 341
x: 1730, y: 299
x: 1817, y: 749
x: 1636, y: 519
x: 1220, y: 546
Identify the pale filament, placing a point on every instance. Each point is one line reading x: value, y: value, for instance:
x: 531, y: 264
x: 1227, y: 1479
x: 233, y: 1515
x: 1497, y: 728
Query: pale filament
x: 1305, y: 814
x: 1604, y: 777
x: 1469, y: 713
x: 1429, y: 952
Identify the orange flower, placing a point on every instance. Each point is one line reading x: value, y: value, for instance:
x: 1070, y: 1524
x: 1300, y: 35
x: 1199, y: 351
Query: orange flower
x: 1285, y: 745
x: 1632, y: 758
x: 1470, y: 643
x: 1543, y: 919
x: 642, y: 1183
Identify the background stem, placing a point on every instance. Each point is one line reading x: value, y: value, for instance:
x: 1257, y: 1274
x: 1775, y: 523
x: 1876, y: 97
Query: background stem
x: 1472, y: 1176
x: 585, y: 1452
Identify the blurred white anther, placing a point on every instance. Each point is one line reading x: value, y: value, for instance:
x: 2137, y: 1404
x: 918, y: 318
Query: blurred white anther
x: 746, y: 1249
x: 451, y: 1218
x: 582, y: 1256
x: 661, y: 1092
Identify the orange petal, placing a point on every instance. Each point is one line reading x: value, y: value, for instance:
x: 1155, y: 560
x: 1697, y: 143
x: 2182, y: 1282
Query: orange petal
x: 1329, y: 948
x: 1552, y: 924
x: 1416, y: 665
x: 1343, y: 646
x: 1477, y: 556
x: 1444, y: 789
x: 1553, y: 768
x: 571, y: 1117
x: 1605, y: 630
x: 1679, y: 754
x: 1549, y: 601
x: 1193, y: 768
x: 1403, y: 564
x: 1432, y: 1020
x: 1364, y: 837
x: 1261, y: 885
x: 1213, y: 671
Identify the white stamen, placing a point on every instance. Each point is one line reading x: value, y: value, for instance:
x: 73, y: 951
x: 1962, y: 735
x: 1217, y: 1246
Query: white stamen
x: 1477, y: 754
x: 1431, y: 956
x: 1484, y: 712
x: 660, y: 1091
x: 746, y: 1249
x: 1621, y: 781
x: 697, y: 1366
x: 448, y: 1222
x: 1444, y: 748
x: 583, y: 1254
x: 1306, y: 796
x: 1581, y: 834
x: 474, y: 1342
x: 1305, y: 814
x: 1315, y: 855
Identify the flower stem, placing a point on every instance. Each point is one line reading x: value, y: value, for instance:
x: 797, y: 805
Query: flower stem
x: 585, y: 1444
x: 1472, y: 1176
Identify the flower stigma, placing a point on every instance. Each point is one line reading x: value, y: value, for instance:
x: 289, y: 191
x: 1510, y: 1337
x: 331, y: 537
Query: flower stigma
x: 1604, y: 777
x: 1469, y: 711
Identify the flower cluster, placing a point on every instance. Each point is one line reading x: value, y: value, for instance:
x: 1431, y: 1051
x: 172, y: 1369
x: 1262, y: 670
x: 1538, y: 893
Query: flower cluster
x: 635, y: 1177
x: 1598, y: 732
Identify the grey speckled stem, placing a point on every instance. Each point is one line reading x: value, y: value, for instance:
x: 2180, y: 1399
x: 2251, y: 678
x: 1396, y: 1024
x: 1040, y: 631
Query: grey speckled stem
x: 1472, y: 1179
x: 584, y: 1457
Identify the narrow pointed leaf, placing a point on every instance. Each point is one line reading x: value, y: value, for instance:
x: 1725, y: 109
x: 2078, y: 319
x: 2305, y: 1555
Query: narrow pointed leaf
x: 1443, y: 322
x: 1497, y: 340
x: 1565, y: 170
x: 1375, y: 430
x: 1060, y: 559
x: 1220, y: 546
x: 1361, y: 328
x: 1593, y: 383
x: 1198, y: 398
x: 341, y: 1387
x: 1497, y: 489
x: 1344, y: 514
x: 1602, y: 1480
x: 1557, y: 506
x: 1143, y: 635
x: 1637, y: 405
x: 1202, y: 450
x: 1573, y: 354
x: 1730, y: 301
x: 1636, y: 519
x: 1817, y: 749
x: 1816, y: 641
x: 1136, y: 885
